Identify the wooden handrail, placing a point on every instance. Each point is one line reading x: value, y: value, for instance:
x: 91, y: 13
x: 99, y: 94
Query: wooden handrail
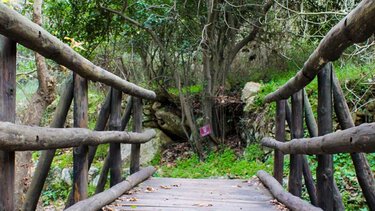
x: 355, y: 139
x: 99, y: 200
x: 15, y: 137
x: 290, y: 201
x: 31, y: 35
x: 356, y: 27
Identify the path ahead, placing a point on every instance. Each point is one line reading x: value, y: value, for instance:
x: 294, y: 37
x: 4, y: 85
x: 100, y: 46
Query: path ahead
x: 195, y: 194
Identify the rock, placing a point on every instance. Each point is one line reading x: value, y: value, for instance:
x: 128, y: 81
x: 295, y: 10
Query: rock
x: 95, y: 180
x: 66, y: 176
x: 169, y: 122
x: 149, y: 149
x: 93, y: 171
x: 248, y: 94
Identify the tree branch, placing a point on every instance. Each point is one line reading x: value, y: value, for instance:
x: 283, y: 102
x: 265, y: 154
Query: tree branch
x: 252, y: 35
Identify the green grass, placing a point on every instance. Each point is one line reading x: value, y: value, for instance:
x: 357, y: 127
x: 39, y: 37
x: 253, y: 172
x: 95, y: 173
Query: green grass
x: 218, y: 164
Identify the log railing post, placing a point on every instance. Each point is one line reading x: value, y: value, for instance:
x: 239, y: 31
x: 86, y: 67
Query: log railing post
x: 324, y: 172
x: 80, y: 154
x: 362, y: 168
x: 278, y: 169
x: 115, y: 148
x: 137, y: 127
x: 124, y: 122
x: 46, y: 157
x: 309, y: 181
x: 296, y: 161
x: 7, y: 113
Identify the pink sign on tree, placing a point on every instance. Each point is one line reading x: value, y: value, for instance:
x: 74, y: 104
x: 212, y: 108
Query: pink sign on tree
x: 205, y: 130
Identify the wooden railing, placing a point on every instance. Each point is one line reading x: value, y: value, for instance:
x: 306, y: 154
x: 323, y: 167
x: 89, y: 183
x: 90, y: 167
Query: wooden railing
x: 18, y: 29
x: 355, y: 27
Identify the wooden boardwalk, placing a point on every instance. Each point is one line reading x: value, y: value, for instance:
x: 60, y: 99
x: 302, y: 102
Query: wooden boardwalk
x: 195, y: 194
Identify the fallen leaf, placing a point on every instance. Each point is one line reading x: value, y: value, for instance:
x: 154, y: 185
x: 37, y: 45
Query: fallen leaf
x: 203, y: 205
x: 149, y: 189
x: 132, y: 199
x: 164, y: 187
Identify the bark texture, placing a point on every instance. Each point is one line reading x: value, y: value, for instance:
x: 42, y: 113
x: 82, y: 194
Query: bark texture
x: 355, y: 139
x: 296, y: 160
x: 278, y: 167
x: 97, y: 201
x: 7, y: 113
x: 20, y: 137
x: 290, y: 201
x: 137, y: 127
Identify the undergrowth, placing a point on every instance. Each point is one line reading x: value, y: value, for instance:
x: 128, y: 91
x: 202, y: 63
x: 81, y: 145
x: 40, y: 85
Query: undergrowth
x: 223, y: 164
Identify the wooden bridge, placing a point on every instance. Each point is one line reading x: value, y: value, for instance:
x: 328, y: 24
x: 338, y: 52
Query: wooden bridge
x: 183, y: 194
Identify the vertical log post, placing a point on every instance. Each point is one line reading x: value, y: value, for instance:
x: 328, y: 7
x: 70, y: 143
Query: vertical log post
x: 296, y: 165
x: 309, y: 181
x: 80, y: 154
x: 46, y: 157
x: 278, y: 169
x: 7, y: 113
x: 136, y: 148
x: 104, y: 172
x: 115, y: 148
x: 361, y: 165
x: 324, y: 172
x: 100, y: 126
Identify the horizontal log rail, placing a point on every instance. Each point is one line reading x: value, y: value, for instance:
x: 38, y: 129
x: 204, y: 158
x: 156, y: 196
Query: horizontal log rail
x: 15, y: 137
x: 355, y: 139
x: 31, y: 35
x: 356, y: 27
x: 99, y: 200
x: 289, y: 200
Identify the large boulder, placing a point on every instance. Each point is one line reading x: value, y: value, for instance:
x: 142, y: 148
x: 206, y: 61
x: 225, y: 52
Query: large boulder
x: 168, y: 121
x: 248, y: 94
x: 149, y: 149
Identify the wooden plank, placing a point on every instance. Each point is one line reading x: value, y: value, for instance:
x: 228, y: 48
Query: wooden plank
x: 295, y: 175
x: 195, y: 194
x: 8, y: 55
x: 278, y: 167
x: 137, y: 127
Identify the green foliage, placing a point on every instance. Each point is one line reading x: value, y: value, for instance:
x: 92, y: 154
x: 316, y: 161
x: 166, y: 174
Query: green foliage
x: 95, y: 100
x: 193, y: 90
x: 220, y: 164
x: 54, y: 191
